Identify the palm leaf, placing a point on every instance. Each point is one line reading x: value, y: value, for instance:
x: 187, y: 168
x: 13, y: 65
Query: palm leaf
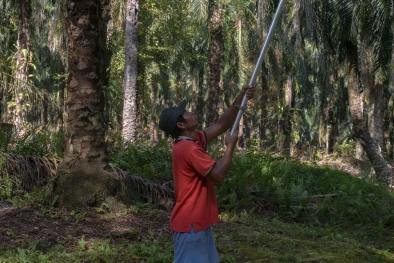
x: 148, y: 191
x: 28, y: 171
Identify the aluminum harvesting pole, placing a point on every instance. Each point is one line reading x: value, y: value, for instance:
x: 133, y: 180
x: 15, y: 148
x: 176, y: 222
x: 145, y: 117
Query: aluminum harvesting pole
x: 258, y: 65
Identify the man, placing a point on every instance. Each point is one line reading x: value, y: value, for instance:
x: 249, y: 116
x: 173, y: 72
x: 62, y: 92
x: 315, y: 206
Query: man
x: 195, y: 173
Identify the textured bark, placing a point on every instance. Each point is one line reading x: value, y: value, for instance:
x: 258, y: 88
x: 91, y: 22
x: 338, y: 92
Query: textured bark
x: 382, y: 170
x: 329, y: 115
x: 390, y: 115
x: 375, y: 89
x: 264, y: 113
x: 375, y: 114
x: 153, y: 122
x: 261, y: 28
x: 331, y: 127
x: 129, y: 129
x: 287, y: 126
x: 215, y: 60
x: 200, y: 98
x: 84, y: 128
x: 83, y: 179
x: 22, y: 67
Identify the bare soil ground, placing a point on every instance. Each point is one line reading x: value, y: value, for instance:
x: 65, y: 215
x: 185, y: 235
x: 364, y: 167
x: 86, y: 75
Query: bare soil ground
x: 19, y: 225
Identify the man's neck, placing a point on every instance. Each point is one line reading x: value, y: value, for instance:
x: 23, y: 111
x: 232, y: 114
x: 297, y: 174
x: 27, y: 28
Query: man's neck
x: 189, y: 133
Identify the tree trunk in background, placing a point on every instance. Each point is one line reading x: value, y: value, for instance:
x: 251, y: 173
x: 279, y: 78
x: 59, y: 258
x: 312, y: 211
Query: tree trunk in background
x: 382, y: 170
x: 331, y: 126
x: 152, y: 128
x: 82, y: 180
x: 390, y: 114
x: 200, y: 99
x: 22, y: 66
x: 330, y: 103
x: 375, y: 89
x: 84, y: 128
x: 129, y: 129
x: 261, y: 30
x: 215, y: 60
x: 44, y: 113
x: 287, y: 124
x: 60, y: 109
x: 263, y: 107
x: 375, y: 114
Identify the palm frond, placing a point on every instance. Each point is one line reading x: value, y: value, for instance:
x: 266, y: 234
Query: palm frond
x: 138, y: 187
x: 199, y: 10
x: 28, y: 171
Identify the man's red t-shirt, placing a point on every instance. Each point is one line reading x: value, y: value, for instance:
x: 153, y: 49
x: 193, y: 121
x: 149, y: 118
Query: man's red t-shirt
x: 195, y: 193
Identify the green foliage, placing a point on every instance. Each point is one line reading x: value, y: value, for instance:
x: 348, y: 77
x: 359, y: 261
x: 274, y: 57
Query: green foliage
x: 36, y: 197
x: 288, y: 188
x: 148, y: 161
x: 259, y: 181
x: 38, y: 143
x: 151, y: 249
x: 6, y: 187
x: 346, y: 148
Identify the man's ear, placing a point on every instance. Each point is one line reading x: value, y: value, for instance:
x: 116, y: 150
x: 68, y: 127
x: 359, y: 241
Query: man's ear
x: 180, y: 125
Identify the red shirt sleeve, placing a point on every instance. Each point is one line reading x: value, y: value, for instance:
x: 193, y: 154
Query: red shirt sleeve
x: 201, y: 161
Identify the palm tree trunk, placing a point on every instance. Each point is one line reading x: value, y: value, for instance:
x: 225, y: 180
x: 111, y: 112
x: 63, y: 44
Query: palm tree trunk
x: 287, y: 129
x: 331, y: 126
x: 375, y: 89
x: 200, y: 98
x: 382, y: 170
x: 263, y: 107
x: 262, y: 31
x: 375, y: 114
x: 215, y: 60
x: 81, y: 179
x: 129, y: 129
x: 390, y: 115
x: 22, y: 67
x: 153, y: 130
x: 84, y: 127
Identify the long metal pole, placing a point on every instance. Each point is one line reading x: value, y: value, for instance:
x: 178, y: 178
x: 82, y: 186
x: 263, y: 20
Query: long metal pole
x: 258, y: 65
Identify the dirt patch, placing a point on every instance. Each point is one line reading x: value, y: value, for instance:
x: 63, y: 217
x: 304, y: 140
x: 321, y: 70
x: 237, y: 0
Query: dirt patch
x: 20, y: 225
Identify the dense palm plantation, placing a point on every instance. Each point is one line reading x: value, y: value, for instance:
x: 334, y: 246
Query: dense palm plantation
x: 82, y: 85
x: 326, y: 79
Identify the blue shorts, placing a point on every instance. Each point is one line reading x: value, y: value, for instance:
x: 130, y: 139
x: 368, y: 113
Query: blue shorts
x: 195, y: 247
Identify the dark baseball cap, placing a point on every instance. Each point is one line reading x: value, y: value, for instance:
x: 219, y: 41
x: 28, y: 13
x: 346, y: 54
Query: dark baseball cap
x: 169, y: 116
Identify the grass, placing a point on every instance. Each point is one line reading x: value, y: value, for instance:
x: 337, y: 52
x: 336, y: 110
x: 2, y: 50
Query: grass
x: 265, y: 239
x: 247, y: 239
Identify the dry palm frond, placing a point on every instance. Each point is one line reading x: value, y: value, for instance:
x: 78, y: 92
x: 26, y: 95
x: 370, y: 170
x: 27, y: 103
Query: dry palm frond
x: 147, y: 190
x: 28, y: 171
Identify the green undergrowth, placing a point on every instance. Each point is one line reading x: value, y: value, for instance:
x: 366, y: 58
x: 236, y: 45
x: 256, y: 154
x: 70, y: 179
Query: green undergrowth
x: 305, y: 193
x: 35, y: 142
x: 152, y: 248
x: 291, y: 190
x: 271, y: 210
x: 152, y: 162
